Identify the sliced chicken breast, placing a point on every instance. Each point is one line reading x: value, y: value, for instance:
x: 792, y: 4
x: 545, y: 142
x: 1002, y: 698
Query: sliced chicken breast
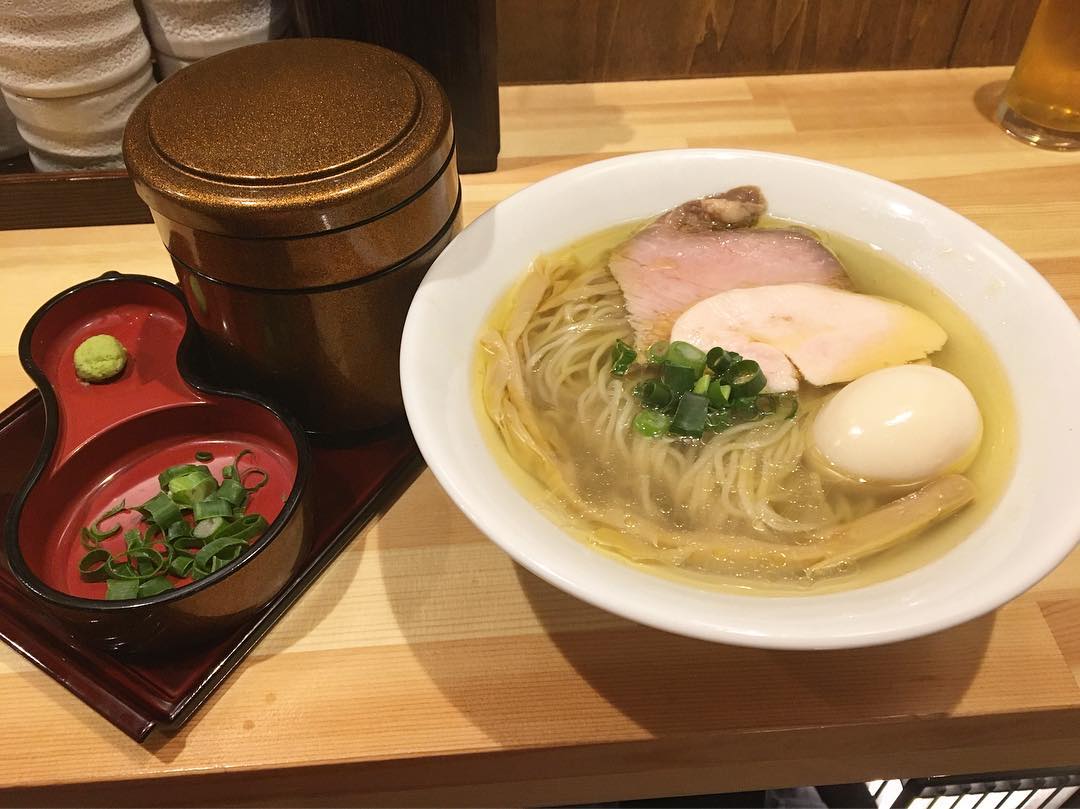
x: 780, y: 374
x: 830, y: 335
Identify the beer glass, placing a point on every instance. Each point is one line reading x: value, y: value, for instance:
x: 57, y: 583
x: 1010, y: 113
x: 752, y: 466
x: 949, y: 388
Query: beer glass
x: 1041, y: 105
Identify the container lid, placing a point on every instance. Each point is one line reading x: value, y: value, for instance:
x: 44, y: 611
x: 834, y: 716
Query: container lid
x: 288, y: 138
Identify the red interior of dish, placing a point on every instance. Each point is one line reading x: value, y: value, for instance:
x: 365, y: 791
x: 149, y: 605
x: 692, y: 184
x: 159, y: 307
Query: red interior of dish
x: 150, y: 323
x: 114, y: 438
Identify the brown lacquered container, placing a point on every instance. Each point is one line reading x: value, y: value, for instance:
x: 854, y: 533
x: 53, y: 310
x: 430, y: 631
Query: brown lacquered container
x: 303, y: 187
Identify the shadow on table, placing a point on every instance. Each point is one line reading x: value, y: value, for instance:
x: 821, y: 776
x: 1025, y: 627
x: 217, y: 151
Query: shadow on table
x: 987, y: 97
x: 671, y: 684
x: 296, y: 624
x: 589, y: 668
x: 167, y: 744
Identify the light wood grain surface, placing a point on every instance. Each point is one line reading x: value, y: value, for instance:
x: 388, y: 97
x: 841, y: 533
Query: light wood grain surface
x: 424, y: 667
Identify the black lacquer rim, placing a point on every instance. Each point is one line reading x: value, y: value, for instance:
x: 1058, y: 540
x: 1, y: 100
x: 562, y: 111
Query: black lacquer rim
x: 89, y: 605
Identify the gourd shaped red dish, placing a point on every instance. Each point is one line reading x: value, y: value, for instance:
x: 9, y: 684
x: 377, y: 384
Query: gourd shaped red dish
x: 107, y: 442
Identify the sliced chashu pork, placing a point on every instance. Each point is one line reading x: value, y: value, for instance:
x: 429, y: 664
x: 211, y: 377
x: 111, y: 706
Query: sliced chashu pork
x: 830, y: 335
x: 704, y: 247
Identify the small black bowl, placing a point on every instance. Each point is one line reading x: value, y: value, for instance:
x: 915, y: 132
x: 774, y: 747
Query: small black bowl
x: 106, y: 442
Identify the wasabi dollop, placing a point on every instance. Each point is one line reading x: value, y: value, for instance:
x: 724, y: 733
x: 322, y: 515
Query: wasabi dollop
x: 99, y: 358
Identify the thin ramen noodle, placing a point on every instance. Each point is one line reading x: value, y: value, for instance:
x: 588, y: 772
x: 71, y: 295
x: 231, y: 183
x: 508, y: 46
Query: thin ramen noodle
x: 742, y: 507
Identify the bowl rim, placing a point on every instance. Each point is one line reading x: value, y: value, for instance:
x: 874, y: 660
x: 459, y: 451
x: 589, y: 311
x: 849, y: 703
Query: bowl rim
x: 19, y: 566
x: 439, y: 458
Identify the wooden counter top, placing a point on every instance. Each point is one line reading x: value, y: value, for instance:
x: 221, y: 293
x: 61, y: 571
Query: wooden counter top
x: 424, y: 667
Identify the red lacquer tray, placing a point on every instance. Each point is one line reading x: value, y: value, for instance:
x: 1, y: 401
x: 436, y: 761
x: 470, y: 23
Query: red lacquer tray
x: 350, y: 486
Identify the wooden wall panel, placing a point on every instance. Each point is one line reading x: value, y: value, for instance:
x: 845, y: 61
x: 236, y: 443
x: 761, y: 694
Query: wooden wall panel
x: 993, y: 32
x: 68, y: 200
x: 616, y: 40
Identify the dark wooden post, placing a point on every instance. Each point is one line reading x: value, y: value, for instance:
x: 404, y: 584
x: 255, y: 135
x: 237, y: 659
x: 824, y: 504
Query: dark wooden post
x: 454, y: 39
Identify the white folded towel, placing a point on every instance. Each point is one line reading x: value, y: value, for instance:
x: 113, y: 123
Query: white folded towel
x: 47, y: 161
x: 80, y: 129
x: 193, y: 29
x: 58, y: 48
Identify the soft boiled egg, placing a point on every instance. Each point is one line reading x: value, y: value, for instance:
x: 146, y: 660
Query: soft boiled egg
x: 898, y: 426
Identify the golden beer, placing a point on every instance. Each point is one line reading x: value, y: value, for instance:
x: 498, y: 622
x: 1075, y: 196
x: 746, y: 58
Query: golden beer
x: 1042, y: 100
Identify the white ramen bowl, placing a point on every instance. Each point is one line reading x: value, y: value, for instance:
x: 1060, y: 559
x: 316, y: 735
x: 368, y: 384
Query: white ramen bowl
x: 1032, y: 528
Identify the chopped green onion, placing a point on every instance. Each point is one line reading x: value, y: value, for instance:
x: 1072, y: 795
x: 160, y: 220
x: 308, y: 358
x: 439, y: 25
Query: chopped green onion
x: 652, y: 424
x: 261, y: 482
x: 212, y: 507
x: 188, y: 489
x: 718, y: 360
x: 719, y: 394
x: 180, y: 528
x: 213, y: 548
x: 154, y: 586
x: 690, y: 415
x: 678, y: 378
x: 622, y: 357
x: 680, y: 353
x: 133, y: 540
x: 746, y: 379
x: 207, y: 528
x: 177, y: 471
x: 180, y: 565
x: 94, y: 535
x: 92, y: 566
x: 654, y: 393
x: 160, y: 510
x: 119, y: 589
x: 698, y: 391
x: 247, y: 527
x: 658, y: 352
x: 171, y: 545
x: 147, y: 564
x: 232, y: 553
x: 241, y: 474
x: 188, y: 543
x: 153, y: 532
x: 231, y: 491
x: 120, y: 570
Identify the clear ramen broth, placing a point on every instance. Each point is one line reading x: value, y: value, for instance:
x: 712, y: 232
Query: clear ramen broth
x: 741, y: 510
